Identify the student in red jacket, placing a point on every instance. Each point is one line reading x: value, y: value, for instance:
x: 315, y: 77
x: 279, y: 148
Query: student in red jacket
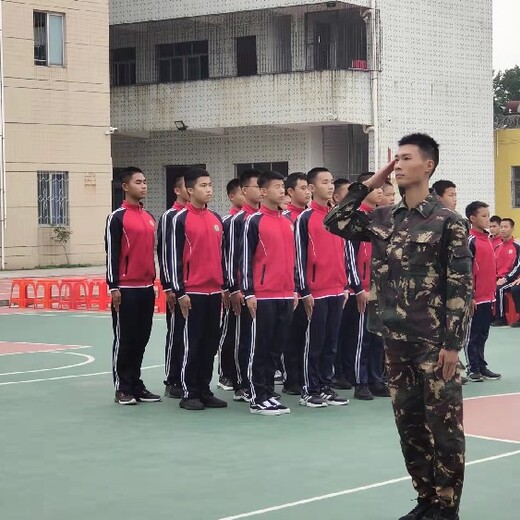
x: 366, y: 347
x: 174, y: 319
x: 268, y: 286
x: 252, y: 198
x: 228, y: 371
x: 494, y: 230
x: 198, y: 280
x: 507, y: 255
x: 484, y: 285
x: 321, y: 280
x: 297, y: 187
x: 129, y: 247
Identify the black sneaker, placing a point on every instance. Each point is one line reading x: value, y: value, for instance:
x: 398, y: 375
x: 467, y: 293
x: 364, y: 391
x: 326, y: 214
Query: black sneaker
x: 265, y: 408
x: 122, y: 398
x: 278, y: 377
x: 501, y: 322
x: 242, y: 395
x: 487, y: 374
x: 313, y: 401
x: 173, y: 392
x: 282, y: 408
x: 332, y: 398
x: 419, y: 512
x: 291, y: 390
x: 475, y: 377
x: 145, y: 396
x: 191, y: 404
x: 213, y: 402
x: 363, y: 393
x: 341, y: 383
x: 379, y: 390
x: 224, y: 383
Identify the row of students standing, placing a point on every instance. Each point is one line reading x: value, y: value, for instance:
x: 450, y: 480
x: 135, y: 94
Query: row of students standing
x: 246, y: 261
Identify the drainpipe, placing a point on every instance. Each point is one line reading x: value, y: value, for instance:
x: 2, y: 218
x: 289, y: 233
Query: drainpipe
x: 3, y: 175
x: 374, y: 82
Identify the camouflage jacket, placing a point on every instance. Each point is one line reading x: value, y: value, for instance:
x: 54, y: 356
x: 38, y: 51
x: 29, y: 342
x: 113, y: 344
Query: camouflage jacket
x: 421, y: 281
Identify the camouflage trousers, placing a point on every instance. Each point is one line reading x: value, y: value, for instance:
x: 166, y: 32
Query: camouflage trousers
x: 428, y: 415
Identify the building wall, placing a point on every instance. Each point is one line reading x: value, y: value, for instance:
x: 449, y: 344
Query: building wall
x: 302, y: 149
x: 437, y: 78
x: 56, y: 120
x: 507, y: 155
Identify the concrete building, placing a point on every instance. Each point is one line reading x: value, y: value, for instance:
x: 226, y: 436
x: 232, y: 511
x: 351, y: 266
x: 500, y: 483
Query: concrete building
x: 293, y: 84
x: 56, y: 166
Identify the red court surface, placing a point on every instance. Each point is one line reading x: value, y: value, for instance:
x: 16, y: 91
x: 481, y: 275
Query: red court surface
x: 493, y: 417
x: 8, y: 347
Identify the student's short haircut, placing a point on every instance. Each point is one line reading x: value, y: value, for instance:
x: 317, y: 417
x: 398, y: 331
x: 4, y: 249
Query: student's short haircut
x: 312, y: 174
x: 428, y: 146
x: 293, y: 178
x: 265, y: 178
x: 247, y: 175
x: 127, y: 174
x: 496, y: 219
x: 191, y: 176
x: 232, y: 186
x: 338, y: 183
x: 472, y: 209
x: 510, y: 220
x: 362, y: 177
x: 440, y: 187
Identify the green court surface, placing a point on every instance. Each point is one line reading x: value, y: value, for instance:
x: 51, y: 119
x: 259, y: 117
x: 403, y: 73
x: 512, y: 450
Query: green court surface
x: 68, y: 452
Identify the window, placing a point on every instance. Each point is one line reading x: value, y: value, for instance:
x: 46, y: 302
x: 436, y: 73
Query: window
x: 122, y: 67
x: 53, y: 198
x: 185, y: 61
x: 280, y: 167
x: 515, y: 186
x: 246, y: 56
x: 48, y: 38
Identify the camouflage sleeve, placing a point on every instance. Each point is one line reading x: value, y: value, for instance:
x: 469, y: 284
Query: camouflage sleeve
x: 459, y: 284
x: 344, y: 219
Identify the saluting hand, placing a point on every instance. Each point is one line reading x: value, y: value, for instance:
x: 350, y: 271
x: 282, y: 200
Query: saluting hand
x: 116, y: 299
x: 378, y: 179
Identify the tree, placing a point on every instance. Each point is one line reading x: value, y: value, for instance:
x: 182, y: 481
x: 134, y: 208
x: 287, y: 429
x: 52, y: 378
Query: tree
x: 61, y: 235
x: 506, y: 87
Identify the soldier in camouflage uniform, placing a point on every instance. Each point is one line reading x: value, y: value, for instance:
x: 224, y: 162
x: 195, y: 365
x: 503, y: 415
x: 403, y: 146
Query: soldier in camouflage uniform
x: 421, y: 290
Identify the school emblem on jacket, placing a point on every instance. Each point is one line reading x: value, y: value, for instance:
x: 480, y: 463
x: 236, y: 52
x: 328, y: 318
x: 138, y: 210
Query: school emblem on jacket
x: 511, y: 251
x: 216, y: 227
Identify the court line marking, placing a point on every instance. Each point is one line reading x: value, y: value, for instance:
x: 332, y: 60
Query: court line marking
x: 493, y: 395
x: 89, y: 359
x: 72, y: 376
x: 352, y: 490
x: 484, y: 438
x: 69, y: 347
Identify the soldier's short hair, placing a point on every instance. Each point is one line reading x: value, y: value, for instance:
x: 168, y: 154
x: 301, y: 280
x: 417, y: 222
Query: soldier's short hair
x: 428, y: 146
x: 473, y: 207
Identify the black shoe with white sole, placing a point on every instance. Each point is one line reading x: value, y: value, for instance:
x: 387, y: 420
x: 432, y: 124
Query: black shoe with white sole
x: 282, y: 408
x: 242, y: 395
x: 125, y: 399
x: 265, y: 408
x: 475, y: 377
x: 145, y: 396
x: 224, y: 383
x: 173, y: 392
x: 192, y: 404
x: 332, y: 398
x: 211, y: 401
x: 313, y: 401
x: 488, y: 374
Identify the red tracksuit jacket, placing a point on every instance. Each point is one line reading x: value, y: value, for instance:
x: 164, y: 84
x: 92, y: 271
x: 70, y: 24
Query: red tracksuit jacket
x: 293, y: 212
x: 197, y: 252
x: 507, y: 255
x: 484, y: 267
x: 268, y: 256
x: 129, y: 246
x: 320, y: 255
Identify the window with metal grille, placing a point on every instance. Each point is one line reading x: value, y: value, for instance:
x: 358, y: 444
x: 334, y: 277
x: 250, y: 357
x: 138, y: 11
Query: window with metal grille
x: 515, y: 186
x: 53, y: 198
x: 122, y: 67
x: 187, y: 61
x: 280, y: 167
x: 48, y: 38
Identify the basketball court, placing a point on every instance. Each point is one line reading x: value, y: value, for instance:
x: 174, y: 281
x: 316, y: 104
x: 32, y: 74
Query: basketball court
x: 70, y: 452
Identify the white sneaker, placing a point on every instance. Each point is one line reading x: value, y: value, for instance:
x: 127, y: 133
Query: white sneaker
x: 265, y: 408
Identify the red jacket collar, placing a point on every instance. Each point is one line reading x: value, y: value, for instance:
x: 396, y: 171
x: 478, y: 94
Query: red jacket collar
x: 197, y: 211
x: 178, y: 206
x: 233, y: 211
x: 132, y: 207
x: 510, y: 241
x: 295, y: 210
x: 270, y: 212
x: 249, y: 210
x: 481, y: 234
x: 318, y: 207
